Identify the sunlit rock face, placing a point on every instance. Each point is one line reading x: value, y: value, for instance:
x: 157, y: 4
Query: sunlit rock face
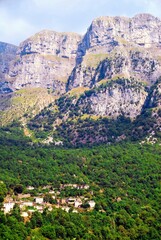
x: 7, y: 55
x: 45, y: 60
x: 113, y: 49
x: 112, y: 46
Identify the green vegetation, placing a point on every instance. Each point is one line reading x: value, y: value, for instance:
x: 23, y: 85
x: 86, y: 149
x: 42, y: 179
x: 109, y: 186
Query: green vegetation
x: 123, y: 175
x: 3, y: 191
x: 73, y: 121
x: 90, y: 129
x: 77, y: 91
x: 124, y: 180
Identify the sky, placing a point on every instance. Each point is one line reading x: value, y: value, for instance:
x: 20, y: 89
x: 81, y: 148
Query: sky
x: 20, y: 19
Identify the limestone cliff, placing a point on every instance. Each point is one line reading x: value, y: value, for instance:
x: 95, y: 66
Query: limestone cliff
x: 112, y: 99
x: 7, y: 54
x: 113, y: 50
x: 118, y: 45
x: 105, y: 33
x: 45, y: 60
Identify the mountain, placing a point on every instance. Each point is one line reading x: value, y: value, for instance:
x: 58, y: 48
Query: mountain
x: 118, y: 45
x: 111, y: 73
x: 44, y: 60
x: 61, y: 94
x: 7, y: 55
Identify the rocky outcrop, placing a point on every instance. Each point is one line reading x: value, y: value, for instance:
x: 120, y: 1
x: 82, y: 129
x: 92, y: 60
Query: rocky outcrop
x: 112, y: 47
x: 118, y: 45
x: 7, y: 55
x: 45, y: 60
x: 105, y: 33
x: 116, y: 59
x: 138, y: 64
x: 154, y: 97
x: 114, y: 98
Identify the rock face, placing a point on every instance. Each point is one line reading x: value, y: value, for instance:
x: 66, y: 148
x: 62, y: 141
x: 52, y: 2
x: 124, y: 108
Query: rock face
x: 7, y: 55
x: 154, y: 97
x: 105, y: 33
x: 45, y: 60
x: 121, y: 97
x: 113, y: 49
x: 118, y: 45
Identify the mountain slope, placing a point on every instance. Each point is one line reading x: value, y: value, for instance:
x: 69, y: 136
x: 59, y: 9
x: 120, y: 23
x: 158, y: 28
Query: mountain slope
x: 7, y: 55
x: 23, y: 104
x: 111, y: 73
x: 118, y: 45
x: 45, y: 60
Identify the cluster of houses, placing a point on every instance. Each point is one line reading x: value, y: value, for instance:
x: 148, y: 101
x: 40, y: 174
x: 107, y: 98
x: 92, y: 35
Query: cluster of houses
x: 24, y: 201
x: 29, y: 204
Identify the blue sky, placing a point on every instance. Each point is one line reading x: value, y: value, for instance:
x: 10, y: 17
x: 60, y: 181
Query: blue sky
x: 19, y: 19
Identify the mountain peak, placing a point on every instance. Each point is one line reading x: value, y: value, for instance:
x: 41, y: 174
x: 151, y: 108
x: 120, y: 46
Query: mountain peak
x: 48, y: 32
x: 146, y: 16
x: 113, y: 48
x: 141, y: 18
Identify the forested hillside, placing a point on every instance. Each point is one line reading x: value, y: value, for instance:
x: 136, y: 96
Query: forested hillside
x: 80, y: 133
x: 124, y: 180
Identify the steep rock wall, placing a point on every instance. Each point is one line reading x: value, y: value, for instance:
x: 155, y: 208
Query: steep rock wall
x: 119, y: 45
x: 45, y: 60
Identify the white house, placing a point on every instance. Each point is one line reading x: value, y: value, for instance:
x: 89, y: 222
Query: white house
x: 39, y: 200
x: 8, y: 207
x: 91, y: 203
x: 46, y: 187
x: 30, y: 188
x: 52, y: 192
x: 39, y: 208
x: 58, y: 143
x: 48, y: 140
x: 75, y: 211
x: 77, y: 203
x: 71, y: 200
x: 24, y: 214
x: 50, y: 209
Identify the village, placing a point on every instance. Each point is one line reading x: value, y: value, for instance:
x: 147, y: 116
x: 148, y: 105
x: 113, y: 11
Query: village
x: 49, y: 198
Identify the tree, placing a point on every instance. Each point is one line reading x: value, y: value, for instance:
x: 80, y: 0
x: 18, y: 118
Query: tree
x: 48, y: 198
x: 48, y: 231
x: 3, y: 191
x: 18, y: 189
x: 16, y: 212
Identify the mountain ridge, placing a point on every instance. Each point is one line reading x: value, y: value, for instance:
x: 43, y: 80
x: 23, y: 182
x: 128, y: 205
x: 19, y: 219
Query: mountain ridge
x: 101, y: 36
x: 111, y: 71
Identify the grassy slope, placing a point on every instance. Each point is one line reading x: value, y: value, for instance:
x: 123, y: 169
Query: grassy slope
x: 26, y: 102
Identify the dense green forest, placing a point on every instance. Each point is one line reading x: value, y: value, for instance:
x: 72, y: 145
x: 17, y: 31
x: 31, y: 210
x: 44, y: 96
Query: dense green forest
x: 124, y: 178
